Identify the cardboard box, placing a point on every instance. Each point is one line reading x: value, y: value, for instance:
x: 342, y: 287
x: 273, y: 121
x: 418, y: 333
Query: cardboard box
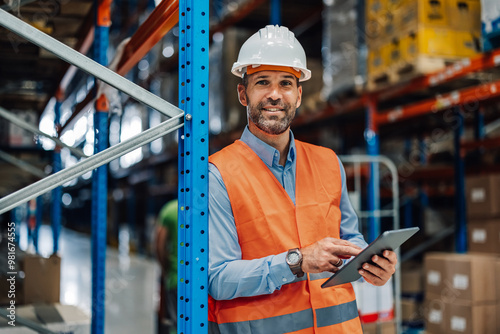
x: 497, y: 282
x: 484, y: 236
x: 42, y: 279
x: 411, y: 310
x: 483, y: 196
x: 497, y: 307
x: 369, y: 328
x: 435, y: 273
x: 386, y: 327
x: 469, y: 318
x: 472, y: 277
x: 434, y: 314
x: 412, y: 281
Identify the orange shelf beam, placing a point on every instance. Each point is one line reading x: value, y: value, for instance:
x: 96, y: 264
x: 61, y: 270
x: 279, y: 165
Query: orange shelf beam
x: 465, y: 96
x: 483, y: 143
x: 451, y: 72
x: 164, y: 17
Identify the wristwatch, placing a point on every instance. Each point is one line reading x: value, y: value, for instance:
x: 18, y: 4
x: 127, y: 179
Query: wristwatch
x: 294, y: 261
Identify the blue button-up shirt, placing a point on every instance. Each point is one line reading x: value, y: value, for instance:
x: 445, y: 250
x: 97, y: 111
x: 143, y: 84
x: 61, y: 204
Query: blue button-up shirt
x: 230, y: 276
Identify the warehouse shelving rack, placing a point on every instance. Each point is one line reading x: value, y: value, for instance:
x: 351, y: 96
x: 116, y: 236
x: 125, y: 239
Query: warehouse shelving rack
x: 192, y: 121
x: 473, y: 95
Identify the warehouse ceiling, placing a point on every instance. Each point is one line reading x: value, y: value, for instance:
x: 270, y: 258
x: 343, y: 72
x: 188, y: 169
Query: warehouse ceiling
x: 29, y: 75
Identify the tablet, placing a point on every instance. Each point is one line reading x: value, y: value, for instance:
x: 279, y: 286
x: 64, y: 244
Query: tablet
x: 388, y: 240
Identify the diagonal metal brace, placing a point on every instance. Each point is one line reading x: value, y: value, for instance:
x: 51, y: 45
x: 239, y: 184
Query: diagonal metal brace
x: 50, y: 182
x: 23, y: 165
x: 22, y: 124
x: 73, y: 57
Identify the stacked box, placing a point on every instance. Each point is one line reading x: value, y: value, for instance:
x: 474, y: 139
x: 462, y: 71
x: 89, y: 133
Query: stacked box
x: 483, y: 211
x: 412, y: 290
x: 461, y: 293
x: 385, y: 327
x: 226, y: 113
x: 343, y: 56
x: 418, y: 37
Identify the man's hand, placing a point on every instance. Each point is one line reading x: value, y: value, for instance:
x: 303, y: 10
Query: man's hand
x: 324, y: 254
x: 383, y: 269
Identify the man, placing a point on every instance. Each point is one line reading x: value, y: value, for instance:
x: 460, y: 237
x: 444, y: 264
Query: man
x: 166, y: 252
x: 280, y: 219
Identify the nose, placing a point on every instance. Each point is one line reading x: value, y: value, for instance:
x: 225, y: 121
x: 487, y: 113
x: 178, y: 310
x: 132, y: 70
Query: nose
x: 274, y: 92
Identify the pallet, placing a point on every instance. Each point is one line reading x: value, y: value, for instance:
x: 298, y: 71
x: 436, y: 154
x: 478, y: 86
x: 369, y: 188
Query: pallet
x: 406, y: 70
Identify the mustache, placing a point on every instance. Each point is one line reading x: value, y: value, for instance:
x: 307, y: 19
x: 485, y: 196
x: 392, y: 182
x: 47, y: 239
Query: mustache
x: 274, y: 103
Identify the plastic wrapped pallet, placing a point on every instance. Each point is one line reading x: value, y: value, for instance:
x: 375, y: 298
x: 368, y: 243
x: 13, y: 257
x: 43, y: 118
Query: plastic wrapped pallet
x: 226, y: 113
x: 344, y: 57
x: 490, y: 24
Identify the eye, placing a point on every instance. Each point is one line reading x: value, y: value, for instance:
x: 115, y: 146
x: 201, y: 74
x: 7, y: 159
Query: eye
x: 262, y: 82
x: 286, y: 83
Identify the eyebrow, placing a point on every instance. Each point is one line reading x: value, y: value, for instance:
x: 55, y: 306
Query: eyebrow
x: 289, y: 76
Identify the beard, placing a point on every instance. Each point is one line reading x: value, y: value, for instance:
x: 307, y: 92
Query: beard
x: 274, y: 124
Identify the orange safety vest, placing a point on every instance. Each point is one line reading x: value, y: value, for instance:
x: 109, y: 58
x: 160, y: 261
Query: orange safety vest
x: 269, y: 223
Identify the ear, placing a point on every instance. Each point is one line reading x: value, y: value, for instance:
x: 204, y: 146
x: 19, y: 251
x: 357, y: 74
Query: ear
x: 241, y: 95
x: 299, y: 98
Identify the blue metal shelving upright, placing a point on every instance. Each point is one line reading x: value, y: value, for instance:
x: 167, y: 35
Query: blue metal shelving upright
x: 373, y: 149
x: 193, y: 168
x: 460, y: 206
x: 100, y: 176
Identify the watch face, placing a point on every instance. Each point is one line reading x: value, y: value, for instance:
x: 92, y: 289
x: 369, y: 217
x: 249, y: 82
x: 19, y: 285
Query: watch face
x: 293, y: 258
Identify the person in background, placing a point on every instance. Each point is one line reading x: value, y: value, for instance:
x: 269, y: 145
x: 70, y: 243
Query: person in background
x: 280, y: 221
x: 166, y: 252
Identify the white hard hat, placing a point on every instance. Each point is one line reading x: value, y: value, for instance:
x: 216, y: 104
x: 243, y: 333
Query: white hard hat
x: 272, y: 45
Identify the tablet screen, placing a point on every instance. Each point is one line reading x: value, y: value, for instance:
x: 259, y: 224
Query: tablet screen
x: 388, y: 240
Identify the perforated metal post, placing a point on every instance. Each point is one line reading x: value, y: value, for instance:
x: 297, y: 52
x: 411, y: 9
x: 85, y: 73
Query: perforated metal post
x: 193, y: 168
x: 100, y: 175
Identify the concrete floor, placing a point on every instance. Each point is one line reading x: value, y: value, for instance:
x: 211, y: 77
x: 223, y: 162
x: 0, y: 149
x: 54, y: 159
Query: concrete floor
x: 131, y: 281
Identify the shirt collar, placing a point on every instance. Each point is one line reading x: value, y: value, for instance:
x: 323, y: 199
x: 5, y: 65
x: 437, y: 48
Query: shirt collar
x: 266, y: 152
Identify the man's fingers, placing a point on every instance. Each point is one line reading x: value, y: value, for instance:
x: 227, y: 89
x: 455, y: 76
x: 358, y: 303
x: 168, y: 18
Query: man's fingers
x: 391, y: 256
x: 371, y: 278
x: 346, y: 251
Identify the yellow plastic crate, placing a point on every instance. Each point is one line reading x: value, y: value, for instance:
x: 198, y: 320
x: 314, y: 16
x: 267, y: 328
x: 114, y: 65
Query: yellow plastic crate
x: 464, y: 15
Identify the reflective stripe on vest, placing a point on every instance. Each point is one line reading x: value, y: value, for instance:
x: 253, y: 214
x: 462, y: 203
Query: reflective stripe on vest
x: 293, y: 322
x: 268, y: 223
